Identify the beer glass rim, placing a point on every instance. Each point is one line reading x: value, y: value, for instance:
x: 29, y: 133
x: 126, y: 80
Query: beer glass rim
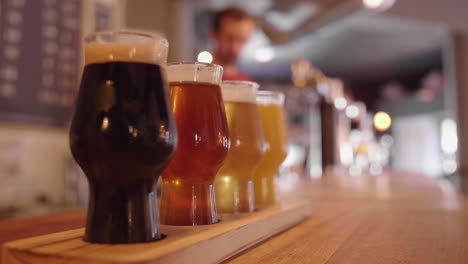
x: 270, y: 97
x: 244, y: 83
x: 156, y: 37
x: 194, y: 72
x: 239, y: 91
x: 193, y: 63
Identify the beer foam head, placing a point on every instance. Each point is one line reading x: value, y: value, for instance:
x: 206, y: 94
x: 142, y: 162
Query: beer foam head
x: 239, y: 91
x: 195, y: 72
x: 270, y: 97
x: 125, y: 46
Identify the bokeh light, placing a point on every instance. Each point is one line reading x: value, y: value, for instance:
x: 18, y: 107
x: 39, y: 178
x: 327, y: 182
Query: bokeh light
x: 352, y: 111
x: 382, y: 121
x: 205, y: 56
x: 378, y: 5
x: 340, y: 103
x: 265, y: 54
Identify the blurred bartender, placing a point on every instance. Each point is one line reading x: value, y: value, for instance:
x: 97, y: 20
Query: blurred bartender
x: 232, y: 28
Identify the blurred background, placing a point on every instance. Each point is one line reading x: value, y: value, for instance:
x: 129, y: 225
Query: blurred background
x: 371, y: 85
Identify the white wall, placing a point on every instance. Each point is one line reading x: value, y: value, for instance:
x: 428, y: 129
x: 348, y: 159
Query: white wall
x: 417, y: 144
x: 453, y: 14
x: 33, y: 162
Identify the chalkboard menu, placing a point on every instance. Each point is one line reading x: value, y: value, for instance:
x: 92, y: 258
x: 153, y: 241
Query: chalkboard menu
x: 40, y: 47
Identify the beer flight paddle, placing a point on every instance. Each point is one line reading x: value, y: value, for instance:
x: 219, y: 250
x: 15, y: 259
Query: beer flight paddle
x: 183, y: 244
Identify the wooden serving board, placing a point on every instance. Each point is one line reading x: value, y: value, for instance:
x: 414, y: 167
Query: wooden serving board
x: 199, y: 244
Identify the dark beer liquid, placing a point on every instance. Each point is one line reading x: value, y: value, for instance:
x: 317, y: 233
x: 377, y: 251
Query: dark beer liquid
x: 123, y: 136
x: 188, y: 192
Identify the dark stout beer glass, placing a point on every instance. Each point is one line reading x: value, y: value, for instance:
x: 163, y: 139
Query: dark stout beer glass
x: 123, y: 134
x: 188, y: 196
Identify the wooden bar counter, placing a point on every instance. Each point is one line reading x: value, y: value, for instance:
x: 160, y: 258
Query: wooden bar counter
x: 396, y: 217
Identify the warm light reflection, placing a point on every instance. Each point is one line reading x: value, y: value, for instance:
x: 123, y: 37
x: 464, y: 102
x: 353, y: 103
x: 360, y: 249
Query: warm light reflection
x: 205, y: 57
x: 105, y: 124
x: 132, y: 52
x: 382, y: 121
x: 162, y: 131
x: 135, y: 132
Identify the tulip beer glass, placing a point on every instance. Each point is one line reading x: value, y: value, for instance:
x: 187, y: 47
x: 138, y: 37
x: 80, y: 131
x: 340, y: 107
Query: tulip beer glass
x: 270, y: 105
x: 233, y: 184
x: 123, y: 134
x: 188, y: 196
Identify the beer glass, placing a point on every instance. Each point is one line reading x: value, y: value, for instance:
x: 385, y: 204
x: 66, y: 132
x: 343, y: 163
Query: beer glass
x: 123, y: 134
x: 188, y: 196
x: 270, y: 105
x: 233, y: 184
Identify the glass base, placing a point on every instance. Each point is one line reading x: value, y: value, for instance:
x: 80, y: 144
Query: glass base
x: 234, y: 195
x: 122, y: 214
x: 188, y: 203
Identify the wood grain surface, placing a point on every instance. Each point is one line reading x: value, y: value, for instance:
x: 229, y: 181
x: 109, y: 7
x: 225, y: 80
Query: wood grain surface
x: 392, y: 218
x: 183, y: 244
x: 397, y: 217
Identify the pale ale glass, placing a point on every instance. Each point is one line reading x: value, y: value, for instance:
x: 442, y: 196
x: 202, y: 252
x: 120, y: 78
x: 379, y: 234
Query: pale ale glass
x: 270, y: 105
x: 233, y: 184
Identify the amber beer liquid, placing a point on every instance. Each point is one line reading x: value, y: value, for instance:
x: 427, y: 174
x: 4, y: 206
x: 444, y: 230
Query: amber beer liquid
x: 123, y: 135
x: 270, y: 105
x: 233, y: 184
x: 188, y: 196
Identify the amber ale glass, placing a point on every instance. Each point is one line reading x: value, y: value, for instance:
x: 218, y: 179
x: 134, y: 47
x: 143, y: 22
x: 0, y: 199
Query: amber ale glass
x: 188, y: 196
x: 123, y: 134
x: 233, y: 184
x: 270, y: 105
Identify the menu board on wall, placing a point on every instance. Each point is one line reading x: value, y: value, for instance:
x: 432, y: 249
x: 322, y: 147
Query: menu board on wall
x: 39, y: 62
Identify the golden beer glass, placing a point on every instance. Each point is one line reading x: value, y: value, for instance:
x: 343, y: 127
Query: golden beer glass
x: 233, y: 184
x: 270, y: 105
